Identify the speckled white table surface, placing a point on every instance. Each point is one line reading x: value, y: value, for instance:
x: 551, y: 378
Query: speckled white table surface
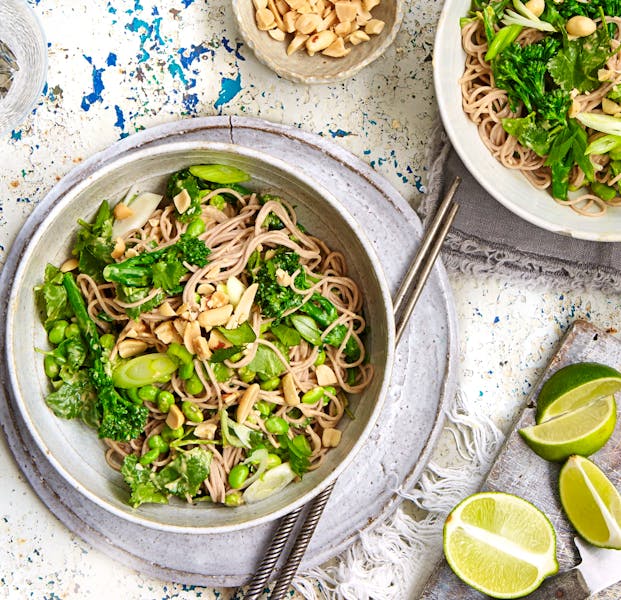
x: 119, y: 66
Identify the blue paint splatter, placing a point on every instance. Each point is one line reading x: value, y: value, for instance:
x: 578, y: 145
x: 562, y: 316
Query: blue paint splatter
x: 229, y: 88
x: 111, y: 60
x: 147, y: 32
x: 366, y: 152
x: 95, y: 96
x: 187, y: 57
x: 227, y: 46
x: 16, y: 135
x: 190, y: 102
x: 187, y: 3
x: 111, y: 9
x: 120, y: 118
x: 339, y: 133
x: 176, y: 71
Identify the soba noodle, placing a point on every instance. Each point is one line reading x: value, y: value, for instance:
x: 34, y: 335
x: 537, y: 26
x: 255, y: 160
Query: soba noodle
x: 486, y: 105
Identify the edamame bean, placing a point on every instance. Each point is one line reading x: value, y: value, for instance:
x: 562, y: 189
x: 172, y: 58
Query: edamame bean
x: 194, y: 385
x: 57, y: 332
x: 51, y: 367
x: 246, y: 375
x: 168, y: 434
x: 164, y: 401
x: 196, y: 227
x: 265, y: 408
x: 148, y: 457
x: 179, y: 352
x: 238, y: 474
x: 156, y: 442
x: 186, y: 370
x: 148, y: 392
x: 218, y: 201
x: 72, y: 330
x: 192, y: 412
x: 270, y: 384
x: 273, y: 460
x: 107, y: 341
x: 321, y: 357
x: 234, y: 499
x: 301, y: 444
x: 313, y: 395
x: 133, y: 395
x: 276, y: 425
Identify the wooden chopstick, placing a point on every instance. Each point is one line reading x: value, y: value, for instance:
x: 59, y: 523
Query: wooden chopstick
x: 407, y: 295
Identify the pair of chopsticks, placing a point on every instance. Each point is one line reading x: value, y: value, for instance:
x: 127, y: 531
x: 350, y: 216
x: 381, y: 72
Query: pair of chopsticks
x: 403, y: 305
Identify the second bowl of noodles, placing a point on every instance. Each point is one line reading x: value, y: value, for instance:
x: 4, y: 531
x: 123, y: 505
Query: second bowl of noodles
x: 236, y: 337
x: 472, y: 110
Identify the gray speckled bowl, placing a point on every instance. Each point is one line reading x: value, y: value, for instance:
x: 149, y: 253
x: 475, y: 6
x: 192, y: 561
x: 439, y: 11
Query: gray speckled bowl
x: 302, y: 68
x: 73, y: 449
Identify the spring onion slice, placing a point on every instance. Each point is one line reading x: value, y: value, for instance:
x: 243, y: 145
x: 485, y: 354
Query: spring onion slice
x: 522, y: 16
x: 600, y: 122
x: 269, y: 483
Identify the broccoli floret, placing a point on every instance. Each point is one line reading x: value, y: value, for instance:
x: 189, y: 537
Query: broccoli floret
x: 192, y: 250
x: 120, y: 419
x: 184, y: 180
x: 522, y: 72
x: 571, y: 8
x: 161, y: 268
x: 273, y: 298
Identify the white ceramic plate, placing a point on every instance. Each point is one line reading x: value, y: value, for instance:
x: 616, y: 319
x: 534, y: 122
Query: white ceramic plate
x: 509, y: 187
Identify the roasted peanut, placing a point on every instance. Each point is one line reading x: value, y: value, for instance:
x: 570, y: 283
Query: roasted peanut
x: 536, y: 7
x: 580, y: 26
x: 319, y: 41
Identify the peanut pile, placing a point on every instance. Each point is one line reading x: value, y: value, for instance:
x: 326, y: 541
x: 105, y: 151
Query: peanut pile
x: 324, y: 26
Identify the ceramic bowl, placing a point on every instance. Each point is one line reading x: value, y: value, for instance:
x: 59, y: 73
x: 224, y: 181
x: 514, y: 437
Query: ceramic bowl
x: 21, y: 32
x: 302, y: 68
x: 507, y: 186
x: 74, y: 449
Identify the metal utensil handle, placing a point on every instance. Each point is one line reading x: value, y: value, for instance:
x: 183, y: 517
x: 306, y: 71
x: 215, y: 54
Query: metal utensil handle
x: 301, y: 543
x: 257, y: 585
x: 421, y: 254
x: 417, y: 274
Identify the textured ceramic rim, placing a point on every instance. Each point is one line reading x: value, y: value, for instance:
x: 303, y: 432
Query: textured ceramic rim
x: 285, y: 73
x: 98, y: 173
x: 509, y: 187
x: 29, y: 20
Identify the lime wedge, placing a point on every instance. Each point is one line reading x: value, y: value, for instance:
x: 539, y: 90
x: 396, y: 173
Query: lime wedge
x: 581, y: 431
x: 500, y: 544
x: 591, y: 502
x: 573, y: 386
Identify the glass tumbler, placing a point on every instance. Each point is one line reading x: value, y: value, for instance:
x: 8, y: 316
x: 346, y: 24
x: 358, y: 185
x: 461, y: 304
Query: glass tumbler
x: 23, y: 68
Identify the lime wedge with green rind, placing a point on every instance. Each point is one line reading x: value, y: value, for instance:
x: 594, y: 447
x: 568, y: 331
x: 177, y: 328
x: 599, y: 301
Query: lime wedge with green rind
x: 500, y: 544
x: 575, y: 385
x: 581, y: 431
x: 591, y: 502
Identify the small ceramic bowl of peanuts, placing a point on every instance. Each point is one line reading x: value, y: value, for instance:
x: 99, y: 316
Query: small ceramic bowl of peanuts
x: 318, y: 41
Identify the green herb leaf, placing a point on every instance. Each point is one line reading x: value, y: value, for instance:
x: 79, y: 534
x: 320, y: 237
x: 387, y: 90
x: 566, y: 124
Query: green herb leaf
x: 307, y: 328
x: 287, y: 336
x: 243, y: 334
x: 266, y: 363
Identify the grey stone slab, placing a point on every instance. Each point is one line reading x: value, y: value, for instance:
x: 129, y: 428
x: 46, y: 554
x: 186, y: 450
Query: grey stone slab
x: 520, y: 471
